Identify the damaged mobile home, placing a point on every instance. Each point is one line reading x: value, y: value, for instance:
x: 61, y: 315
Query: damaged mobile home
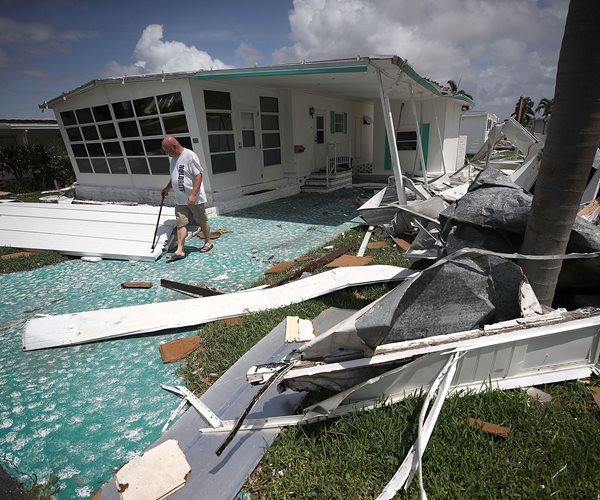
x: 263, y: 132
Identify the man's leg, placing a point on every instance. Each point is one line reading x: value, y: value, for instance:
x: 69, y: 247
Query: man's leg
x: 182, y: 216
x: 202, y: 220
x: 181, y: 235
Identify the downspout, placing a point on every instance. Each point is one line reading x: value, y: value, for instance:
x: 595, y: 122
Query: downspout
x: 391, y: 137
x: 419, y: 145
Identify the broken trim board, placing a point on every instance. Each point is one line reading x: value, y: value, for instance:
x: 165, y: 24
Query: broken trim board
x: 90, y: 326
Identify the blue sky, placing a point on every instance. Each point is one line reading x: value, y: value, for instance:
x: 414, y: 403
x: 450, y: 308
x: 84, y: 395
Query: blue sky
x: 496, y: 50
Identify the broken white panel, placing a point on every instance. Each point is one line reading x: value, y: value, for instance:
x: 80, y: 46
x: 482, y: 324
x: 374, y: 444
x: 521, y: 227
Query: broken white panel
x: 518, y: 135
x: 156, y: 474
x: 374, y: 213
x: 108, y: 231
x: 525, y: 175
x: 298, y: 330
x: 542, y: 349
x: 89, y: 326
x: 419, y: 190
x: 559, y: 346
x: 426, y: 209
x: 454, y: 193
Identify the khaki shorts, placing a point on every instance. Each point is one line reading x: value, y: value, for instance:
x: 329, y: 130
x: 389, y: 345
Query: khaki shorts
x: 194, y: 215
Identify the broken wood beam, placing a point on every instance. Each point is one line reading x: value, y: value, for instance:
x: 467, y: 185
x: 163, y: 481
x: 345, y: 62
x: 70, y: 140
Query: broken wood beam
x: 201, y: 291
x: 316, y: 264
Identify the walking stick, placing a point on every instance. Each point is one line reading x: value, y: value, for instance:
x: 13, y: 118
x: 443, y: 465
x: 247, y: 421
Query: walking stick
x: 157, y: 222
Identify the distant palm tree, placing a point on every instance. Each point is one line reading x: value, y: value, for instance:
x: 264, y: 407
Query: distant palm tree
x: 545, y: 106
x: 455, y: 91
x: 523, y: 112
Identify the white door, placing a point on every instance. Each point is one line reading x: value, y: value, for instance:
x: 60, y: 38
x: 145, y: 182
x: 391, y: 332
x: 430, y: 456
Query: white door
x: 320, y: 147
x: 249, y: 161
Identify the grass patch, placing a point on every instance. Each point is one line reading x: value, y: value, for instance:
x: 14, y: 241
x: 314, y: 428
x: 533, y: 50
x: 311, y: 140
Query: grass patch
x: 355, y: 456
x: 33, y: 197
x: 33, y: 260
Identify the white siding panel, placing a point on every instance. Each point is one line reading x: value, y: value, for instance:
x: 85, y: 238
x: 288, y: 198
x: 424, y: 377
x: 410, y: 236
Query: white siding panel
x: 113, y: 232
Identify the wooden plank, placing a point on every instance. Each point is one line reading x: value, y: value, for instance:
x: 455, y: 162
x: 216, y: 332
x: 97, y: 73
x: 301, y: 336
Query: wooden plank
x: 137, y: 284
x: 596, y: 395
x: 15, y: 255
x: 489, y: 428
x: 377, y: 244
x: 179, y: 349
x: 403, y: 244
x: 280, y: 267
x: 350, y: 260
x: 201, y: 291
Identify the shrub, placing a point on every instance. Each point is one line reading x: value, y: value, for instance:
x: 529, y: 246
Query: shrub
x: 35, y: 167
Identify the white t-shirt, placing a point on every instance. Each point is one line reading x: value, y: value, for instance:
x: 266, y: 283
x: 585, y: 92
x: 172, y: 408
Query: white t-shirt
x: 184, y: 169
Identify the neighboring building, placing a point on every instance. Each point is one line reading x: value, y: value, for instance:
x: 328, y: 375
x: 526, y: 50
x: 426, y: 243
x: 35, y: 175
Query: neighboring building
x: 260, y: 132
x: 476, y: 125
x: 539, y: 125
x: 24, y: 132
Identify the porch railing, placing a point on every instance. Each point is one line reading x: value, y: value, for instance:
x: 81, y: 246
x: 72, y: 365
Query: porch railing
x: 339, y: 154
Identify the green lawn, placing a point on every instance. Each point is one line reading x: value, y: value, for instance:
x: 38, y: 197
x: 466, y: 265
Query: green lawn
x: 553, y: 450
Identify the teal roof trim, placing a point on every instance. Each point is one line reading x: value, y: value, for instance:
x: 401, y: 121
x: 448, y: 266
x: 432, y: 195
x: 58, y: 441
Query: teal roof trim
x: 357, y: 68
x: 407, y: 68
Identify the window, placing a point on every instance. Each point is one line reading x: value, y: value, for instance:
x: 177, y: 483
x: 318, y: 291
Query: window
x: 248, y: 135
x: 406, y: 141
x: 102, y: 113
x: 123, y: 110
x: 170, y: 103
x: 145, y: 106
x: 219, y: 125
x: 117, y: 166
x: 84, y: 115
x: 89, y: 133
x: 320, y: 129
x: 68, y: 118
x: 269, y: 120
x: 125, y: 137
x: 339, y: 122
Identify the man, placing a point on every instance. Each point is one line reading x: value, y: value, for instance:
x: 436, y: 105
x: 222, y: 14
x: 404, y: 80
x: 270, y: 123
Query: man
x: 186, y: 183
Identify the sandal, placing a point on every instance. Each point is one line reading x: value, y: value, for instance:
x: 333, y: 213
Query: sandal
x: 173, y: 257
x: 206, y: 248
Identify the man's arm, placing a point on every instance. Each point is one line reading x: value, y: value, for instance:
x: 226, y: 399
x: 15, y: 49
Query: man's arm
x: 195, y: 189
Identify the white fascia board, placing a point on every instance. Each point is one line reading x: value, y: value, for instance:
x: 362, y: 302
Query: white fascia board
x: 467, y: 340
x: 90, y: 326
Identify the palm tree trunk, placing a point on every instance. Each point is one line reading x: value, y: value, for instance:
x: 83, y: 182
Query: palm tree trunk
x: 573, y: 136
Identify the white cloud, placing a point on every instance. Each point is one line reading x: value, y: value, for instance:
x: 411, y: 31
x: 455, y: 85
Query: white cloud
x: 497, y: 50
x: 154, y: 55
x: 249, y: 54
